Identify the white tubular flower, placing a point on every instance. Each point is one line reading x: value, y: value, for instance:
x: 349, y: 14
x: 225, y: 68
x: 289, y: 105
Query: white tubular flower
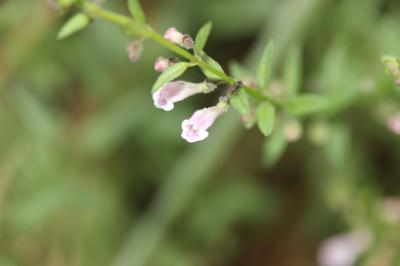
x: 184, y: 40
x: 195, y: 128
x: 344, y: 249
x: 177, y: 91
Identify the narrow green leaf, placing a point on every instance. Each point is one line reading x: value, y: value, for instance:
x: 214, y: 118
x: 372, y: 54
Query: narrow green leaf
x: 202, y: 36
x: 306, y: 104
x: 212, y: 63
x: 292, y: 72
x: 273, y: 148
x: 240, y: 102
x: 171, y: 73
x: 265, y: 66
x: 73, y: 25
x: 266, y: 118
x: 136, y: 10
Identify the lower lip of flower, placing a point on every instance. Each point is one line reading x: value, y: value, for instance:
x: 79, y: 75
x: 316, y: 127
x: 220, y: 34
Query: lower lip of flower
x: 192, y: 135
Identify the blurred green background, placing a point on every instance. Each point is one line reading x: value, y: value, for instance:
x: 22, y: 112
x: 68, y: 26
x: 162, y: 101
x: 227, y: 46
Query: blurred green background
x: 92, y: 174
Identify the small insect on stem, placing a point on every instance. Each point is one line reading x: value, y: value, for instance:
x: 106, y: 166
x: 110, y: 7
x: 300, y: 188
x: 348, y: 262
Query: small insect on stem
x: 235, y: 86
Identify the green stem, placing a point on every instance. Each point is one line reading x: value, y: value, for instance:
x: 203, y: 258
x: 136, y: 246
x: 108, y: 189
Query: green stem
x: 96, y: 11
x: 182, y: 52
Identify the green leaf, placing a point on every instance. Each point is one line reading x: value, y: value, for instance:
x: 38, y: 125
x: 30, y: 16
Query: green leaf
x: 212, y: 63
x: 136, y: 10
x: 292, y: 73
x: 240, y: 102
x: 266, y: 118
x: 171, y: 73
x: 238, y: 71
x: 306, y: 104
x: 265, y: 66
x: 202, y: 36
x: 273, y: 148
x: 73, y: 25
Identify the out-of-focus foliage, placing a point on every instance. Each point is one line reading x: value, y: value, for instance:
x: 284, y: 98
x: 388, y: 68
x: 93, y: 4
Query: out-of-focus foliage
x: 92, y: 174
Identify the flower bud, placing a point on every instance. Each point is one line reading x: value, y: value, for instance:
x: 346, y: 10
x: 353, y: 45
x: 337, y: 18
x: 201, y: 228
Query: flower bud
x: 134, y: 50
x: 293, y: 130
x: 187, y: 41
x: 195, y: 128
x: 184, y: 40
x: 394, y: 124
x: 177, y: 91
x: 163, y: 63
x: 248, y: 120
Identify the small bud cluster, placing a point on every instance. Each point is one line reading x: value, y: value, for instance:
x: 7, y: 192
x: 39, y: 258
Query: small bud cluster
x: 195, y: 128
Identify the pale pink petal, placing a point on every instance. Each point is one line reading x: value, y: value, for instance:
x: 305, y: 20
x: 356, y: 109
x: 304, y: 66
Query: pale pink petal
x: 195, y: 128
x: 173, y: 35
x: 161, y: 102
x: 177, y: 91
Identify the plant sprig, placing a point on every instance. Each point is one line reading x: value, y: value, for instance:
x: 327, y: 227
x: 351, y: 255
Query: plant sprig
x: 132, y: 24
x: 265, y: 105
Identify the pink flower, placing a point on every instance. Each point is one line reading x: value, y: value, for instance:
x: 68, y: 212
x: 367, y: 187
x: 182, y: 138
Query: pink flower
x: 177, y: 91
x: 195, y: 128
x: 134, y: 50
x: 344, y: 249
x: 394, y: 124
x: 163, y: 63
x: 184, y: 40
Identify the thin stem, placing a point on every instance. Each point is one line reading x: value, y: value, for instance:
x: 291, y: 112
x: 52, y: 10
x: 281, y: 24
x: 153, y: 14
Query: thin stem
x: 146, y: 31
x: 96, y: 11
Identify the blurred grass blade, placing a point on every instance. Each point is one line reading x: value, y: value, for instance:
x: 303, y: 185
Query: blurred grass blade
x: 273, y: 148
x: 264, y: 71
x: 77, y: 23
x: 266, y: 118
x: 306, y: 104
x: 202, y: 36
x: 171, y: 73
x: 292, y: 72
x: 136, y: 10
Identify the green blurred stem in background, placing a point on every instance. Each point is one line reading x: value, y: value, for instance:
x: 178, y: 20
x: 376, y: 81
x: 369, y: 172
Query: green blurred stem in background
x: 147, y: 32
